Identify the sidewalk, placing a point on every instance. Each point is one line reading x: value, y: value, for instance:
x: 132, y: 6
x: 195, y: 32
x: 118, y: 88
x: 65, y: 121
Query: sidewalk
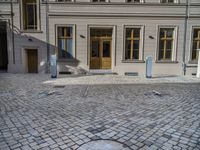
x: 118, y: 79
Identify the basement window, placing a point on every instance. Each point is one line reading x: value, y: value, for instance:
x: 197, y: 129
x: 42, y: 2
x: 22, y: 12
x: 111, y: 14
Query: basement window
x: 135, y: 1
x: 99, y: 1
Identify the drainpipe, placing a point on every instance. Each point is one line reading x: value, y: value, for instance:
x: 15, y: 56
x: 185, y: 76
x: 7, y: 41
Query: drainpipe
x: 185, y: 36
x: 12, y: 27
x: 47, y: 35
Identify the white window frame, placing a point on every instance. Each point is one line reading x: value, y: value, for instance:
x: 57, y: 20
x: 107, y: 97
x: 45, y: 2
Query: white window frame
x: 141, y: 46
x: 38, y: 17
x: 74, y: 40
x: 191, y: 43
x: 174, y: 51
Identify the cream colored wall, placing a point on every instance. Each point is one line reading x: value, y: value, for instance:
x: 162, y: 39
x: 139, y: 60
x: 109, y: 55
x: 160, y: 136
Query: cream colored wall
x: 22, y: 42
x: 83, y: 15
x: 150, y: 45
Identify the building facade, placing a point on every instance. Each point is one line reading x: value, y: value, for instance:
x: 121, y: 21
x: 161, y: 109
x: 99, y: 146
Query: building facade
x: 100, y: 35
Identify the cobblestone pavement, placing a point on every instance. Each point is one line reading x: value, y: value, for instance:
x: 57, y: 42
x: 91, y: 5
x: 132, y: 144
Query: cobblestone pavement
x: 37, y: 112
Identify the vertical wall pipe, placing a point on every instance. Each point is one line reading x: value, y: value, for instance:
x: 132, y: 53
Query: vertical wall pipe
x: 12, y: 27
x: 47, y: 35
x: 185, y: 36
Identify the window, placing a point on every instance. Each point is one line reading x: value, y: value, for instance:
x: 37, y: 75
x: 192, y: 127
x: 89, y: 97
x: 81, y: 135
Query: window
x: 30, y: 14
x: 65, y: 42
x: 195, y: 44
x: 132, y: 43
x: 167, y: 1
x: 166, y: 44
x: 99, y: 1
x: 134, y: 1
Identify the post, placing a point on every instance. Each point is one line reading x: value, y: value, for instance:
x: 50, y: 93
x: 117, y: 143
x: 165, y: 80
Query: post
x: 149, y: 67
x: 198, y: 67
x: 185, y: 35
x: 53, y: 68
x: 47, y: 35
x: 12, y: 27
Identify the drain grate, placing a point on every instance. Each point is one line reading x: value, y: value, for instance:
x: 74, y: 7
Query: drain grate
x: 59, y: 86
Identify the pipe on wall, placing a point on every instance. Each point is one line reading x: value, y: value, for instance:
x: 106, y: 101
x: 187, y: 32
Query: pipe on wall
x: 185, y: 36
x: 47, y: 36
x: 12, y: 26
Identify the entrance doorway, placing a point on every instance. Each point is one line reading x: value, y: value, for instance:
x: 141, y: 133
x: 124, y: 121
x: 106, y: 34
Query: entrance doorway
x: 100, y: 48
x: 32, y: 59
x: 3, y: 47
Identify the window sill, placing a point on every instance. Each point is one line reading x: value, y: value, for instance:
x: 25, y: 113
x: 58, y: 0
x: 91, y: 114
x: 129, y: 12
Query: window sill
x: 166, y: 62
x: 195, y: 62
x: 31, y: 31
x: 133, y: 61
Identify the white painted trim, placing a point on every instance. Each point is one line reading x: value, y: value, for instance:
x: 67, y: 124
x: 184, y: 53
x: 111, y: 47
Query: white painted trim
x: 74, y: 38
x: 191, y: 41
x: 38, y: 17
x: 141, y: 45
x: 175, y: 44
x: 113, y: 42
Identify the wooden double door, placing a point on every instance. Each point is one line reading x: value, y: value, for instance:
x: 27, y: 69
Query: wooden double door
x: 100, y: 53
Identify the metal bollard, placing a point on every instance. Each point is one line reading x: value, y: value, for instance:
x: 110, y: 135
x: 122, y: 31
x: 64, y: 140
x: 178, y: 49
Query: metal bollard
x: 53, y: 68
x: 198, y: 67
x: 149, y: 67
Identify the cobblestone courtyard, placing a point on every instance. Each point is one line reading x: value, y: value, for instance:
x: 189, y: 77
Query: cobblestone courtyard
x: 37, y: 112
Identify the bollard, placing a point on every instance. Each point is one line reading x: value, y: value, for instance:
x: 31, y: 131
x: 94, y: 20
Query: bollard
x: 53, y: 64
x: 149, y: 67
x: 198, y: 67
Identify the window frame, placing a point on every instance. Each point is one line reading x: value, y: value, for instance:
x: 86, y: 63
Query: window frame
x: 38, y: 28
x: 73, y: 41
x: 141, y: 44
x: 191, y: 45
x: 175, y: 43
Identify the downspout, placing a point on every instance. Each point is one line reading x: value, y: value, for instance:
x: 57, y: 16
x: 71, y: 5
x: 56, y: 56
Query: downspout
x: 185, y: 36
x: 47, y: 36
x: 12, y: 27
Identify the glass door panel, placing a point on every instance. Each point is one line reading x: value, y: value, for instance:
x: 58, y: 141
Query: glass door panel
x: 106, y: 48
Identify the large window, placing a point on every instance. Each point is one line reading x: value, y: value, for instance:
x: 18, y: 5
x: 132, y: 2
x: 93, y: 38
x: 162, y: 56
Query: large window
x: 65, y: 42
x: 132, y: 43
x: 195, y: 44
x: 166, y: 44
x: 30, y: 14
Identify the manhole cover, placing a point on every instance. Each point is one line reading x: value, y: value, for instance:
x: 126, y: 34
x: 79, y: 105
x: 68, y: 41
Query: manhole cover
x: 103, y: 145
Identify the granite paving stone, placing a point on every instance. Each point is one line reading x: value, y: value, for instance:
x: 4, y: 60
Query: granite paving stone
x: 37, y: 112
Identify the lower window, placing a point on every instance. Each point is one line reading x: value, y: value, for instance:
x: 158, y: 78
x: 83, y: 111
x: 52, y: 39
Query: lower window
x: 166, y: 44
x: 195, y: 44
x: 132, y: 43
x: 65, y: 42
